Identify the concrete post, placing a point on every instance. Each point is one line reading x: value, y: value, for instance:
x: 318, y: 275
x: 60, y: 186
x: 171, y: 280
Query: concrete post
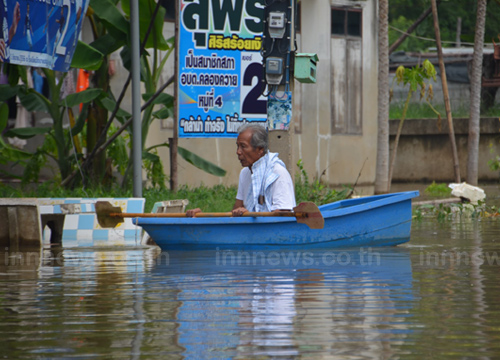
x: 281, y: 141
x: 20, y: 224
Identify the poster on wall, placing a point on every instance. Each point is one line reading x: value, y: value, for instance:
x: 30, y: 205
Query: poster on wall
x: 220, y: 67
x: 40, y: 33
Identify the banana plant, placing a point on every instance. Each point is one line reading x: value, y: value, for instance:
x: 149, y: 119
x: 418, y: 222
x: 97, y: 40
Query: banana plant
x: 156, y: 52
x: 414, y: 78
x: 112, y: 29
x: 8, y: 153
x: 55, y: 107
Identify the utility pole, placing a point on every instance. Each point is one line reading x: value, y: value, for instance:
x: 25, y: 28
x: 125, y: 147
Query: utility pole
x: 136, y: 98
x: 278, y: 58
x: 173, y: 142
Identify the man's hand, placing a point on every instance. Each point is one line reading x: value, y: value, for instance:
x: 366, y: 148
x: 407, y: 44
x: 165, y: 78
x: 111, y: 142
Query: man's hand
x: 192, y: 212
x: 239, y: 211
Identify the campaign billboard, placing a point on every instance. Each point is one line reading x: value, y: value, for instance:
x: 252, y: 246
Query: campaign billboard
x: 220, y: 67
x: 40, y: 33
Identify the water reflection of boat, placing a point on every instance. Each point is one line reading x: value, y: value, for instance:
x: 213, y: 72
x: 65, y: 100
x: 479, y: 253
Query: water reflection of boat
x: 244, y: 304
x: 369, y: 221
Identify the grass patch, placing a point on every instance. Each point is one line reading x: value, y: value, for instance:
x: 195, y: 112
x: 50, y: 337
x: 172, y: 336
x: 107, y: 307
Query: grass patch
x: 438, y: 190
x: 218, y: 198
x: 494, y: 111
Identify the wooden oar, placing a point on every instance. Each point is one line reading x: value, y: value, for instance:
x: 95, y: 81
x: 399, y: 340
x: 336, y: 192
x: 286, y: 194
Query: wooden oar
x: 305, y: 213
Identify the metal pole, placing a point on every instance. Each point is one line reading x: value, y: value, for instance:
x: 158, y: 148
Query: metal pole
x: 136, y: 98
x: 173, y: 142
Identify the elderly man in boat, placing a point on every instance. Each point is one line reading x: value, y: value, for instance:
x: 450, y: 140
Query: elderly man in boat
x: 264, y: 184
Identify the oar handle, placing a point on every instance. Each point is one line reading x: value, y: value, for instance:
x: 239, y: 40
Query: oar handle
x: 254, y: 214
x: 305, y: 213
x: 208, y: 214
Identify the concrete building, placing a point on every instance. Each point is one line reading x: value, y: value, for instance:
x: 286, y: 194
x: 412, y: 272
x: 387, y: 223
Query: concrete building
x: 335, y: 120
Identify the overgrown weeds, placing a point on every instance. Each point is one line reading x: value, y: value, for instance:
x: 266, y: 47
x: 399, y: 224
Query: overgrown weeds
x: 451, y: 211
x: 316, y: 191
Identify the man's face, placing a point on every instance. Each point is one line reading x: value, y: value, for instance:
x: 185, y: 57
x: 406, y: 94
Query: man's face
x: 247, y: 154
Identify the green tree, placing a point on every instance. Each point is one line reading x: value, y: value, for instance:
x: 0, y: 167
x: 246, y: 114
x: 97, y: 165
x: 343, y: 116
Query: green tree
x: 402, y: 13
x: 475, y: 94
x: 382, y: 173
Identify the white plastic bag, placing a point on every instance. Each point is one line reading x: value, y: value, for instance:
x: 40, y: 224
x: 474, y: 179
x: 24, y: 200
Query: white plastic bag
x: 464, y: 190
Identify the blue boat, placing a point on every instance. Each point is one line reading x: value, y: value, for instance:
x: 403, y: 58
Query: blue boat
x: 380, y: 220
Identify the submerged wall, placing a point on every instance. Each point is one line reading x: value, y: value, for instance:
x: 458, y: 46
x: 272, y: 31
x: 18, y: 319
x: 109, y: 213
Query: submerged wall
x: 425, y: 154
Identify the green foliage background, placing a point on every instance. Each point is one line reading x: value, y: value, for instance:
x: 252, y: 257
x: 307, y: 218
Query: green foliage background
x: 403, y: 13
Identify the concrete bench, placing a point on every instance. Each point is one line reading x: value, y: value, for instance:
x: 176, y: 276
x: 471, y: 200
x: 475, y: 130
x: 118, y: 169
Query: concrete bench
x: 80, y: 226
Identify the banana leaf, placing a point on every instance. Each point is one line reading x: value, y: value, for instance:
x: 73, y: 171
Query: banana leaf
x: 34, y: 101
x: 164, y: 113
x: 86, y: 57
x: 7, y: 91
x: 114, y: 21
x: 161, y: 99
x: 80, y: 122
x: 107, y: 43
x: 156, y: 38
x: 109, y: 104
x: 85, y: 96
x: 201, y: 163
x: 195, y: 160
x: 4, y: 116
x: 27, y: 132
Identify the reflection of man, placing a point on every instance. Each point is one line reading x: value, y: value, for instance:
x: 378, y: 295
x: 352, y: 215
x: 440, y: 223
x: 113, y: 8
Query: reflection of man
x: 7, y: 33
x: 28, y: 29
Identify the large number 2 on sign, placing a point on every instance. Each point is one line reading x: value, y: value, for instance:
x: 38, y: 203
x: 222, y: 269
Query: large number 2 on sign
x: 252, y: 104
x: 61, y: 50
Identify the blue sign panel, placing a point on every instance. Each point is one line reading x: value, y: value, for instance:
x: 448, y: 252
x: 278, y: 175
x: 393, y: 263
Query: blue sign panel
x: 40, y: 33
x: 220, y: 67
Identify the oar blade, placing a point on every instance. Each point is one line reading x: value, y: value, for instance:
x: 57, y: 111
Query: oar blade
x: 309, y: 214
x: 103, y: 210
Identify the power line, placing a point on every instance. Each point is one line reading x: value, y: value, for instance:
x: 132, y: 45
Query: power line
x: 427, y: 39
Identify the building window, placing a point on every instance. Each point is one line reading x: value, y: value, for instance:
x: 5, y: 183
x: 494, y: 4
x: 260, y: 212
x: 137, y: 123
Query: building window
x: 297, y: 19
x: 346, y: 22
x: 169, y: 6
x: 346, y: 69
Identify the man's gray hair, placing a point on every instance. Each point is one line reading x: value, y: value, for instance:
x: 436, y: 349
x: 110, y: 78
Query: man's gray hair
x: 260, y: 139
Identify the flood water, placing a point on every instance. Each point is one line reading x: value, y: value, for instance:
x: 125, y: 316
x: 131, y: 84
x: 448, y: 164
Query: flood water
x: 436, y: 297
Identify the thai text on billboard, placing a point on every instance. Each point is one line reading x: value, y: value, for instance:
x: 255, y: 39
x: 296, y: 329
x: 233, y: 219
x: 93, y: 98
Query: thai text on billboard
x: 220, y: 67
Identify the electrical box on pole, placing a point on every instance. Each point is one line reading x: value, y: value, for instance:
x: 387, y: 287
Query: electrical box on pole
x: 279, y: 31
